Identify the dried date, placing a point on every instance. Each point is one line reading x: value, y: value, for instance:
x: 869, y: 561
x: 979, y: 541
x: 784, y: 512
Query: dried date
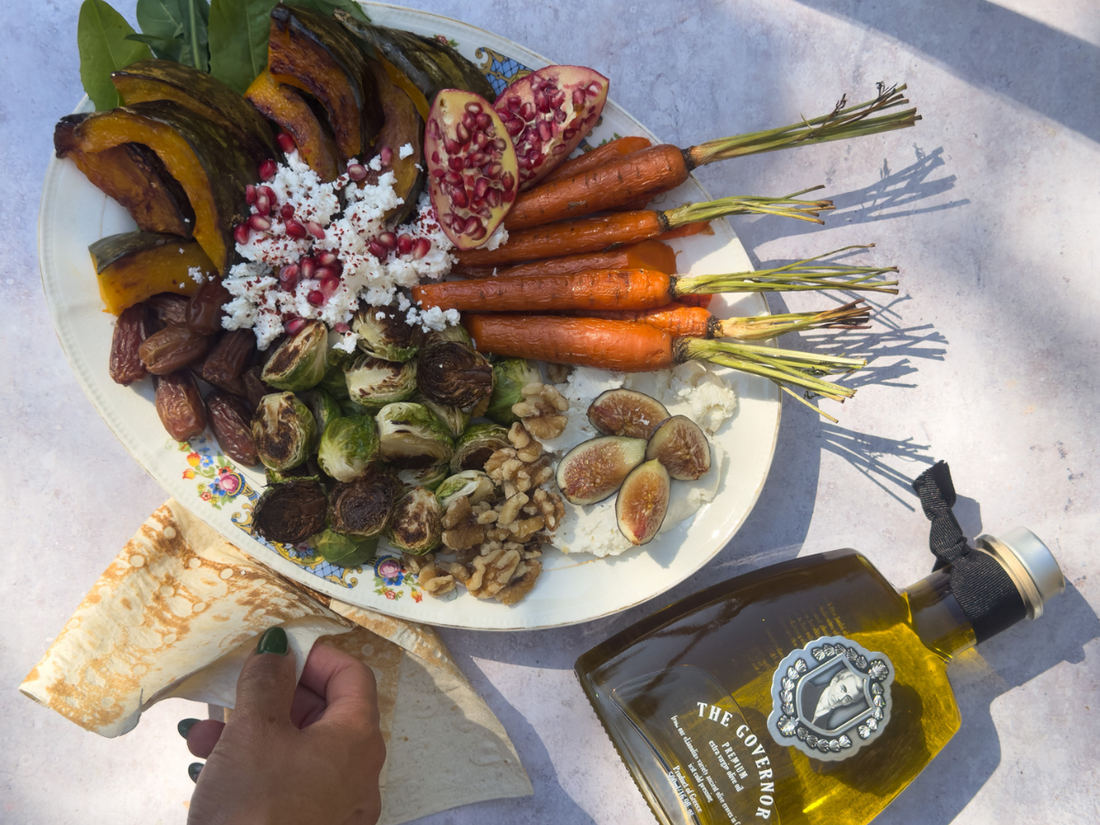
x: 230, y: 419
x: 131, y: 328
x: 172, y: 348
x: 166, y: 309
x: 179, y: 405
x: 229, y: 358
x: 204, y: 310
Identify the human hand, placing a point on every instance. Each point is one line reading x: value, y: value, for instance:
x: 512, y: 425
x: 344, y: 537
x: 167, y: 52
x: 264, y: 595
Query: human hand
x: 309, y: 754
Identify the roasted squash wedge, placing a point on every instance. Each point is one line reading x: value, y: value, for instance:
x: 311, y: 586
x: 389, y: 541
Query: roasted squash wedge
x: 286, y: 108
x: 200, y: 92
x: 134, y: 266
x: 134, y: 176
x: 206, y: 160
x: 431, y: 64
x: 403, y: 127
x: 313, y: 52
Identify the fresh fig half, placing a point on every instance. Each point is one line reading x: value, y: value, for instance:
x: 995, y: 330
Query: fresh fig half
x: 595, y: 469
x: 548, y: 113
x: 626, y: 412
x: 472, y: 168
x: 643, y: 501
x: 681, y: 446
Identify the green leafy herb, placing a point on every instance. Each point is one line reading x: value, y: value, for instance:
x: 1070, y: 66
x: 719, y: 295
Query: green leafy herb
x: 238, y: 40
x: 176, y: 30
x: 101, y: 37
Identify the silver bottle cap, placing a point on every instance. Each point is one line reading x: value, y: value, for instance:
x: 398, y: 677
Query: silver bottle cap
x: 1029, y: 563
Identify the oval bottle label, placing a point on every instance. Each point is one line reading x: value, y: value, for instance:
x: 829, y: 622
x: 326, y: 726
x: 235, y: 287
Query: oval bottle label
x: 830, y: 698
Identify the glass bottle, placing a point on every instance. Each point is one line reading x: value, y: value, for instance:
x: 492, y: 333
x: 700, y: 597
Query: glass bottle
x: 811, y: 691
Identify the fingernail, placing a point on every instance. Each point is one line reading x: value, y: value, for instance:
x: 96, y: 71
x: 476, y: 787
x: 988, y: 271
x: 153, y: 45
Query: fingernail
x: 185, y: 725
x: 193, y: 771
x: 273, y: 640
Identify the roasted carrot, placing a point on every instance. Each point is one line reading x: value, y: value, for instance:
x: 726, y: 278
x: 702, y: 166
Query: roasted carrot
x: 594, y: 234
x: 636, y: 289
x: 686, y: 231
x: 649, y: 172
x: 617, y: 148
x: 685, y: 321
x: 629, y: 347
x: 645, y: 255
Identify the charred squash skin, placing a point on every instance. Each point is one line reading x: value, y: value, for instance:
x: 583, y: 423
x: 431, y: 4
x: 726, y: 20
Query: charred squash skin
x: 207, y: 162
x: 403, y: 126
x: 285, y: 107
x: 134, y: 266
x: 134, y: 176
x: 314, y: 53
x: 200, y: 92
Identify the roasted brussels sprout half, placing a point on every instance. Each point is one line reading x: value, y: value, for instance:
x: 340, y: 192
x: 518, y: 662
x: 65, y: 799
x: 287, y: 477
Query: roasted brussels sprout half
x: 343, y: 551
x: 284, y: 431
x: 429, y: 477
x: 456, y: 420
x: 410, y: 436
x: 300, y: 361
x: 324, y: 407
x: 334, y: 382
x: 452, y: 333
x: 361, y: 508
x: 474, y: 446
x: 474, y: 484
x: 455, y: 374
x: 348, y: 446
x: 290, y: 512
x: 416, y: 525
x: 308, y: 470
x: 373, y: 382
x: 510, y: 376
x: 384, y: 333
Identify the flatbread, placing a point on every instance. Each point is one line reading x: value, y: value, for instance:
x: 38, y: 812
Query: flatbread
x: 176, y: 614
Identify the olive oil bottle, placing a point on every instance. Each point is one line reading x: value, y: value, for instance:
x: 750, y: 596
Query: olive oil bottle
x: 812, y: 691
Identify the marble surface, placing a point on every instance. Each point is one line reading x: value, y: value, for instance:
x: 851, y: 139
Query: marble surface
x: 986, y: 359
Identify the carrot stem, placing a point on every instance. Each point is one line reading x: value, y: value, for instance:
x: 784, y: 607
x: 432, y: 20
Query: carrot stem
x: 763, y: 327
x: 793, y: 277
x: 841, y: 123
x: 788, y: 207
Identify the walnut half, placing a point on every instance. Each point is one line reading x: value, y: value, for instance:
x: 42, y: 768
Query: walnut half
x: 542, y: 410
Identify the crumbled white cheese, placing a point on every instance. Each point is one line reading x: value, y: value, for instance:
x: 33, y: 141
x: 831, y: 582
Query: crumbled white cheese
x: 405, y: 151
x: 196, y: 273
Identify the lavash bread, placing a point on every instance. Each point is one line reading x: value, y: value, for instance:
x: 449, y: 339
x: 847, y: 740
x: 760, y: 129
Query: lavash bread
x: 179, y: 609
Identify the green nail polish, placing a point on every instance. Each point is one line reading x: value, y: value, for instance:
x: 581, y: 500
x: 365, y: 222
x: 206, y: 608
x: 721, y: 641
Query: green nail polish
x: 193, y: 771
x: 185, y: 725
x: 273, y: 640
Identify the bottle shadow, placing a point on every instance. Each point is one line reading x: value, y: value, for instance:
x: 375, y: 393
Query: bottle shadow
x: 1020, y: 654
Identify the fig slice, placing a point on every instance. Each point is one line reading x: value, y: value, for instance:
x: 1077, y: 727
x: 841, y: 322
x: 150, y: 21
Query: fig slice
x: 472, y: 168
x: 626, y: 412
x: 681, y: 446
x: 643, y: 501
x: 548, y: 113
x: 595, y: 469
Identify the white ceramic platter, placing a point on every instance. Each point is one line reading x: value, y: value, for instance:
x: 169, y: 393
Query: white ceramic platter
x: 573, y: 588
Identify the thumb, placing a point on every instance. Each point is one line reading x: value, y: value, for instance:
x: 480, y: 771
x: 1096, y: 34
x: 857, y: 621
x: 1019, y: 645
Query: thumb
x: 265, y: 688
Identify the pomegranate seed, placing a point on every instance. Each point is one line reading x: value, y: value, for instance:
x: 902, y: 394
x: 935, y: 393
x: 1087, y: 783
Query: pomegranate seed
x: 263, y: 204
x: 309, y: 266
x: 241, y: 233
x: 316, y: 230
x: 507, y: 180
x: 357, y: 171
x: 259, y: 223
x: 451, y: 145
x: 438, y: 173
x: 513, y: 127
x: 421, y: 248
x: 455, y: 163
x: 316, y: 298
x: 433, y: 129
x: 295, y: 229
x: 377, y: 250
x: 493, y: 197
x: 329, y: 287
x: 388, y: 240
x: 250, y: 195
x: 472, y: 225
x: 324, y: 273
x: 286, y: 142
x: 459, y: 199
x: 473, y: 107
x: 513, y: 104
x: 527, y: 111
x: 462, y: 134
x: 326, y: 257
x: 481, y: 187
x: 557, y: 99
x: 404, y: 244
x: 482, y: 140
x: 286, y: 211
x: 435, y: 157
x: 341, y: 328
x: 484, y: 121
x: 288, y: 276
x: 385, y: 154
x: 294, y: 324
x: 559, y: 116
x: 268, y: 169
x: 594, y: 89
